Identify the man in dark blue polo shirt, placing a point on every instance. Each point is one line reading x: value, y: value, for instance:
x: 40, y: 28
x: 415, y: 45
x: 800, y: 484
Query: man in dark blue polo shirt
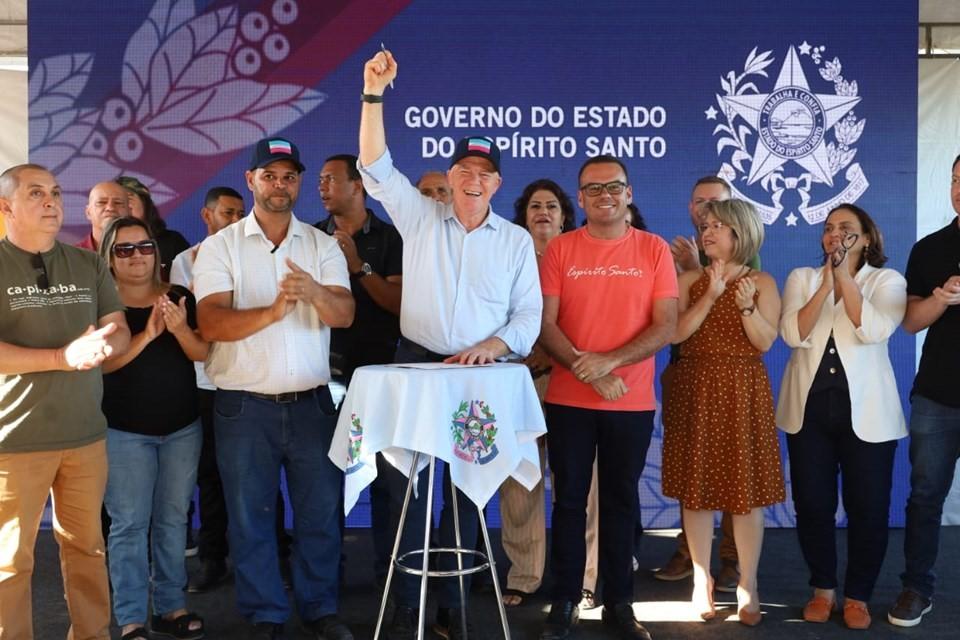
x: 933, y: 303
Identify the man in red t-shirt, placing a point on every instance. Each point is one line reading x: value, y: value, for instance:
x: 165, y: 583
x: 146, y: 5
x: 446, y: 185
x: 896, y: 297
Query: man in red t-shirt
x: 609, y: 304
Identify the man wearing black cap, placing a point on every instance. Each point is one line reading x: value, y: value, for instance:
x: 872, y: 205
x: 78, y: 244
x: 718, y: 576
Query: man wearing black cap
x: 269, y: 288
x: 477, y: 299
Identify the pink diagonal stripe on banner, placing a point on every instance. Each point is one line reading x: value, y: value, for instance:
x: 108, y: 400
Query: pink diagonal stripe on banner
x: 336, y: 30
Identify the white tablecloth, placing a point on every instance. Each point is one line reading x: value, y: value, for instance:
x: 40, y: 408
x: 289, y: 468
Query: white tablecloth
x: 482, y: 420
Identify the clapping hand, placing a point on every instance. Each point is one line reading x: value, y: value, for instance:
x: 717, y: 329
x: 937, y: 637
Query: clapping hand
x: 349, y: 249
x: 949, y: 293
x: 746, y: 290
x: 90, y: 349
x: 717, y: 283
x: 155, y: 324
x: 298, y: 285
x: 174, y: 314
x: 686, y: 254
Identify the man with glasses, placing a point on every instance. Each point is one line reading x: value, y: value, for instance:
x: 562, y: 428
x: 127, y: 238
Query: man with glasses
x: 477, y: 300
x: 600, y: 402
x: 269, y: 289
x: 60, y: 318
x: 107, y: 200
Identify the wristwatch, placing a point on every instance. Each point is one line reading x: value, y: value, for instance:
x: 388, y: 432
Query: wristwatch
x: 365, y: 269
x: 748, y: 311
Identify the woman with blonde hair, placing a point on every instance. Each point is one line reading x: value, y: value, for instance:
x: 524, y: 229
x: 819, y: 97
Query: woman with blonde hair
x: 153, y: 439
x: 720, y: 447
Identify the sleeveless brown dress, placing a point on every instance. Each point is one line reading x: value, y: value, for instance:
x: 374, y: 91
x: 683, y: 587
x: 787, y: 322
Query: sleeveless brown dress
x: 720, y: 446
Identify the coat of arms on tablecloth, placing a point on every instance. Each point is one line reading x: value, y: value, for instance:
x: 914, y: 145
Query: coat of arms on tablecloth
x: 474, y: 431
x: 353, y: 448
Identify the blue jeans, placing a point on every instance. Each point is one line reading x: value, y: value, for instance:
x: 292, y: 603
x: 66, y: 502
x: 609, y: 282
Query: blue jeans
x: 934, y: 449
x: 149, y: 485
x: 255, y: 438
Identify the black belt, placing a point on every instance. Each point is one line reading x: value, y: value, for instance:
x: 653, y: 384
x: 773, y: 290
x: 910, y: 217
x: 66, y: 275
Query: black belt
x: 421, y: 351
x: 288, y: 397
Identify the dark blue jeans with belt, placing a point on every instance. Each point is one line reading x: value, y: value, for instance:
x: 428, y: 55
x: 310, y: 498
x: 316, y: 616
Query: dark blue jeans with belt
x: 826, y: 446
x: 257, y: 437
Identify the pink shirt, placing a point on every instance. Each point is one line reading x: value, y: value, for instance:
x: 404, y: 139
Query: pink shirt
x: 87, y: 243
x: 607, y: 289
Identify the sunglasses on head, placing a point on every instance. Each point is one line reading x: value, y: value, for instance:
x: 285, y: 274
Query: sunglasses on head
x: 126, y: 249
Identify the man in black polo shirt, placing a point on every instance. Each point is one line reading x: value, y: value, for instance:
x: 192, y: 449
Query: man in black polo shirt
x: 933, y: 303
x: 374, y: 253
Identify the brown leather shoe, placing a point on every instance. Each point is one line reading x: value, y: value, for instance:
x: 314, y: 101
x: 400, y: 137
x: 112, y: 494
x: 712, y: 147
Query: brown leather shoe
x: 677, y: 568
x: 818, y: 609
x: 855, y: 614
x: 727, y: 578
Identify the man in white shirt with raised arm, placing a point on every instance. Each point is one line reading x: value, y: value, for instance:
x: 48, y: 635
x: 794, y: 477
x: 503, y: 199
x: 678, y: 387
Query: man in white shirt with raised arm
x: 477, y: 299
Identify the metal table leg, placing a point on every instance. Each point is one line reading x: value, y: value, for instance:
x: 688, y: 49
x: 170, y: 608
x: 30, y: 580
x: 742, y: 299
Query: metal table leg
x: 485, y: 561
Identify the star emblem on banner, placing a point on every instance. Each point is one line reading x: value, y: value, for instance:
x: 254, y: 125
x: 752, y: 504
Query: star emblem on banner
x: 711, y: 113
x: 791, y: 220
x: 791, y: 123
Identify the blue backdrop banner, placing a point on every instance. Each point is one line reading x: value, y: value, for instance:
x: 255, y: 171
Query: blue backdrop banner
x: 800, y: 106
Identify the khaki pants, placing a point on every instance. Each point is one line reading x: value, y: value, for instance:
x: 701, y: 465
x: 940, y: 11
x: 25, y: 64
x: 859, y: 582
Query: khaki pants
x: 76, y: 479
x: 728, y: 546
x: 523, y: 530
x: 592, y: 538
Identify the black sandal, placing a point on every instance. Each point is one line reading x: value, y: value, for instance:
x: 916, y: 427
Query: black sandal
x: 178, y: 628
x: 137, y: 634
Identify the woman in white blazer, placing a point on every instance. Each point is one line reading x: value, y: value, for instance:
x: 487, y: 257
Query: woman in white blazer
x: 840, y: 407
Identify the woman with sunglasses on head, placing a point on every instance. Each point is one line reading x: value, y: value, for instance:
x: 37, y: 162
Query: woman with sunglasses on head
x: 720, y: 446
x: 170, y: 243
x: 840, y: 406
x: 545, y: 211
x: 153, y: 439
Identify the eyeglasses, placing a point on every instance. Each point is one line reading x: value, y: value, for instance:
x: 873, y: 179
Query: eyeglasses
x: 126, y: 249
x: 614, y: 188
x: 36, y: 261
x: 846, y: 244
x: 703, y: 227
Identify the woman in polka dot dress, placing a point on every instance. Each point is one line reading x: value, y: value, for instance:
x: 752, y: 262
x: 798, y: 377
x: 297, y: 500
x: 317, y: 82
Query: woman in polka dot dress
x: 720, y: 447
